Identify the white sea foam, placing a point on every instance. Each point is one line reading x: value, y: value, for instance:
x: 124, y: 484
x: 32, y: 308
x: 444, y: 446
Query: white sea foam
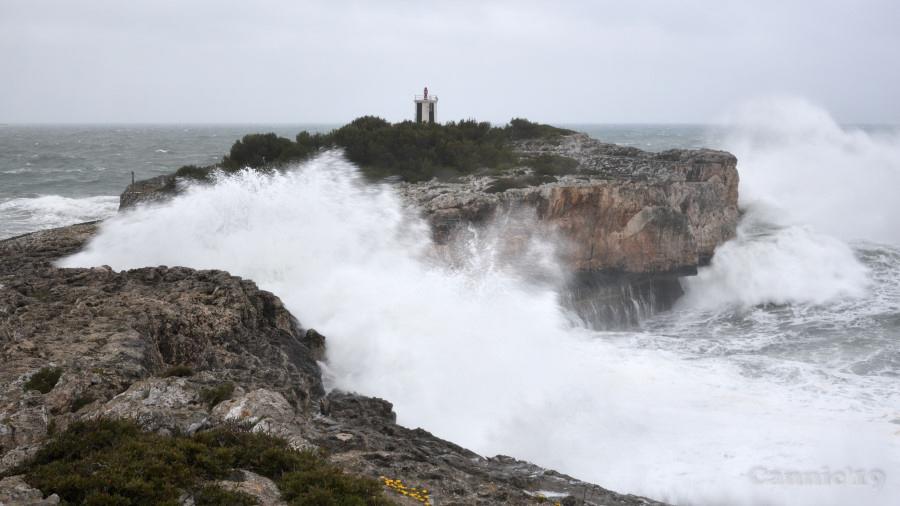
x: 794, y: 157
x: 23, y: 215
x: 481, y: 357
x: 772, y: 264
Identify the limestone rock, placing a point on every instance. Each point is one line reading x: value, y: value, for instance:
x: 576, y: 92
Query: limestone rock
x: 316, y: 344
x: 163, y: 405
x: 626, y: 224
x: 15, y: 492
x: 259, y: 487
x: 254, y: 407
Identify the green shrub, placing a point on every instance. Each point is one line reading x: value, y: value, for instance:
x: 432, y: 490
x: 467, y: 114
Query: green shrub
x: 552, y: 165
x: 521, y: 129
x: 178, y: 371
x: 44, y: 380
x: 413, y: 151
x: 194, y: 172
x: 114, y: 462
x: 217, y: 394
x: 256, y: 150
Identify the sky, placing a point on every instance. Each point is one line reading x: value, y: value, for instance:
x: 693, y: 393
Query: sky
x: 298, y: 61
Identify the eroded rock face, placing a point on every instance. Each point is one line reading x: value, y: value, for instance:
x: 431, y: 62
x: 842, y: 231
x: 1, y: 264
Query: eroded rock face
x: 624, y: 211
x: 626, y: 225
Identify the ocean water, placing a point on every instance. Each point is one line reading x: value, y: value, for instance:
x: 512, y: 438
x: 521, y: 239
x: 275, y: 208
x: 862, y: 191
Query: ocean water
x: 774, y: 380
x: 52, y: 176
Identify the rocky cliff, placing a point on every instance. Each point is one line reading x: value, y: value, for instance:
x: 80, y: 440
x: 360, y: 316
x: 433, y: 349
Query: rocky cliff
x: 104, y: 344
x: 626, y: 222
x: 620, y: 210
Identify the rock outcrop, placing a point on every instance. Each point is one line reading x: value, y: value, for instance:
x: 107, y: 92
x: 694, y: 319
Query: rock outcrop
x: 149, y: 191
x: 181, y: 351
x: 626, y: 223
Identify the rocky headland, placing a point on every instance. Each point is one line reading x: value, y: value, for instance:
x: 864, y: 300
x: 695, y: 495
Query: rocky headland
x: 625, y: 223
x: 110, y: 337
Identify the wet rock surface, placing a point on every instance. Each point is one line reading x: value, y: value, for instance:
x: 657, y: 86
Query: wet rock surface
x: 244, y: 361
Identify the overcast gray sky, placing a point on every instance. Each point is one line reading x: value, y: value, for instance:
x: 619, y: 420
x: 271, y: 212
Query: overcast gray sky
x: 299, y: 61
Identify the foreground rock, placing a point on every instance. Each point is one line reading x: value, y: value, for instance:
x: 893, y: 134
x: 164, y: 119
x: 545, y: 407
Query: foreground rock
x: 245, y: 362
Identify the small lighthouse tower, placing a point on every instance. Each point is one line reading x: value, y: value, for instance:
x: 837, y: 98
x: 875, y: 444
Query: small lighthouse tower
x: 426, y: 107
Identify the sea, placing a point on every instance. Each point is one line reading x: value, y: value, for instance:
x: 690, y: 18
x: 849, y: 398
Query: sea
x: 775, y: 379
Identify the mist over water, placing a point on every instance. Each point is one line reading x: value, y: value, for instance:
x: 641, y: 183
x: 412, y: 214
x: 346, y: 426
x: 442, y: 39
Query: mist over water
x: 795, y: 159
x: 782, y: 356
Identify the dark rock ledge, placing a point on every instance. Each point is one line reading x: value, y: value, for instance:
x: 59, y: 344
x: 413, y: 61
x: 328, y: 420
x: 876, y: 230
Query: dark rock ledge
x: 111, y: 334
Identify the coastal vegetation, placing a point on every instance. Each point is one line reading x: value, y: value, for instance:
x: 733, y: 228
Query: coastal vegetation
x: 411, y: 151
x: 44, y: 380
x: 114, y: 462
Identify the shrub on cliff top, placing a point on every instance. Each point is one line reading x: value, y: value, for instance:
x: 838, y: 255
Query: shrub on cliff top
x: 256, y: 150
x: 521, y: 129
x: 413, y: 151
x: 114, y: 462
x: 44, y: 380
x: 552, y: 165
x: 193, y: 172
